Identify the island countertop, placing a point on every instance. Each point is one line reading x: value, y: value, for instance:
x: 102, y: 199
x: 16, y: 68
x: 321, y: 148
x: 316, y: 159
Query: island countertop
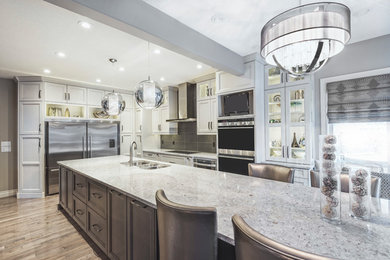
x: 287, y: 213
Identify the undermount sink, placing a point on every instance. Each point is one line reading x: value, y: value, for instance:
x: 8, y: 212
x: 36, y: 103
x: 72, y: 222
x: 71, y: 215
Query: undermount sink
x: 146, y: 164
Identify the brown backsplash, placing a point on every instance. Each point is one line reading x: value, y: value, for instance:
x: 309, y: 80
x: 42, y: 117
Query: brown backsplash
x: 187, y: 139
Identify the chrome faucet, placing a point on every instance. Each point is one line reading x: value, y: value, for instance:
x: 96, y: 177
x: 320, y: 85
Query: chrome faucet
x: 133, y: 144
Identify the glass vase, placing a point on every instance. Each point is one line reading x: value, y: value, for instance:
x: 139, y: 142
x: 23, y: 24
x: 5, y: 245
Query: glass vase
x: 360, y: 193
x: 330, y: 205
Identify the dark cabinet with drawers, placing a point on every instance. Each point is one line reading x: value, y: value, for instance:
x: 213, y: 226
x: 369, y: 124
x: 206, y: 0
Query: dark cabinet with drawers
x: 66, y: 184
x: 97, y: 198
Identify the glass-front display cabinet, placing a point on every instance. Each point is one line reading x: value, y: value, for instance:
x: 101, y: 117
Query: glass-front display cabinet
x: 288, y: 117
x: 277, y: 78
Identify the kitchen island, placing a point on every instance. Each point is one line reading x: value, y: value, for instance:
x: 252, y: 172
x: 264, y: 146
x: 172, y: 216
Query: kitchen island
x: 284, y: 212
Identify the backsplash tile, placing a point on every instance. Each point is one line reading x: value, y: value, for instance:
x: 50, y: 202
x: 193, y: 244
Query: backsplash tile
x: 187, y: 139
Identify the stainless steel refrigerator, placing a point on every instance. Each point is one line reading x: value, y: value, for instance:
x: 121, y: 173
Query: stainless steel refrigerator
x: 70, y: 141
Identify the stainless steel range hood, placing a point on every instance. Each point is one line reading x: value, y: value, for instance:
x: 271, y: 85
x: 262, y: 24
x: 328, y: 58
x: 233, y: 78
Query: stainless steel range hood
x: 187, y: 103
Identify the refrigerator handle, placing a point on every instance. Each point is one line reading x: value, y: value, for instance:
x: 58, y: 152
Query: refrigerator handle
x: 83, y: 144
x: 90, y: 146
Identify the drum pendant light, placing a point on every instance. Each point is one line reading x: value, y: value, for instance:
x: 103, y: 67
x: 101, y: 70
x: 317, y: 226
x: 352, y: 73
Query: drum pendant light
x: 148, y: 94
x: 302, y: 39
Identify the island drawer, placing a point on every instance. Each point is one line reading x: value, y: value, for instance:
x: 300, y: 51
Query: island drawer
x: 80, y: 187
x: 97, y: 198
x: 80, y: 212
x: 97, y: 229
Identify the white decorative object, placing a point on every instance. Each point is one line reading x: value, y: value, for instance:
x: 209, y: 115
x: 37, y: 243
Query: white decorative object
x: 302, y: 39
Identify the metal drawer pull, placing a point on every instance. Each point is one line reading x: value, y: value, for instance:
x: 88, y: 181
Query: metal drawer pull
x: 80, y: 185
x: 40, y: 94
x: 97, y: 195
x: 79, y: 211
x: 55, y: 170
x: 97, y: 228
x: 136, y: 203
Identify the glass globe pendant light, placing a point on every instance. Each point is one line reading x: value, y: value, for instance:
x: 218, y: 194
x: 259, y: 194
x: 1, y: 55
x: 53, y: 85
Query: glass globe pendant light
x: 302, y: 39
x: 113, y: 104
x: 148, y: 94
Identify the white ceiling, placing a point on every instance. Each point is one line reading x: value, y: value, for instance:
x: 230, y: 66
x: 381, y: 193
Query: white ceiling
x: 32, y: 31
x: 237, y: 24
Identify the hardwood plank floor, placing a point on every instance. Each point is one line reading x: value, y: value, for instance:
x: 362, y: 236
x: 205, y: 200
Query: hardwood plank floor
x: 35, y: 229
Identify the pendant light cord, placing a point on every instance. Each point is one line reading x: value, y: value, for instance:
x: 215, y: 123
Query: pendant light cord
x: 148, y: 60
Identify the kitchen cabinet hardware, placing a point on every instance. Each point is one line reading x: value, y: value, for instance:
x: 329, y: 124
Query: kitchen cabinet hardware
x: 40, y: 94
x: 40, y: 127
x: 232, y: 157
x: 283, y: 151
x: 79, y: 212
x: 97, y: 228
x: 79, y: 185
x: 138, y: 204
x: 66, y: 96
x: 288, y: 151
x: 39, y: 144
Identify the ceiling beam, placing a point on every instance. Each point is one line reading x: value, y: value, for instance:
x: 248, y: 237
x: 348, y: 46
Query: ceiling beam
x: 150, y: 24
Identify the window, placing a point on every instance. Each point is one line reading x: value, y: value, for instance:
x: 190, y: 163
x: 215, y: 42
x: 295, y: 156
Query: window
x: 365, y: 144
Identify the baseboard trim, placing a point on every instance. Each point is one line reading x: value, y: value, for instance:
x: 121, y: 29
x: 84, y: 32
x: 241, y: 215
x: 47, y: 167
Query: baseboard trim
x: 7, y: 193
x: 23, y: 195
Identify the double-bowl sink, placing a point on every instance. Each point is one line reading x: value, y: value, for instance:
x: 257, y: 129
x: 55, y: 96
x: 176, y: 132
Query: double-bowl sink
x: 148, y: 165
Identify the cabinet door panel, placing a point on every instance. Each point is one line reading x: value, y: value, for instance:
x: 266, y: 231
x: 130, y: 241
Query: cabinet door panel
x: 30, y: 91
x: 95, y: 97
x: 30, y: 118
x: 165, y: 126
x: 204, y: 118
x: 77, y: 95
x: 69, y: 194
x: 143, y: 231
x: 138, y: 120
x: 30, y: 164
x: 80, y: 187
x: 117, y: 225
x: 80, y: 212
x: 125, y: 143
x: 55, y: 92
x: 97, y: 229
x: 214, y: 115
x: 127, y: 121
x: 63, y: 187
x: 97, y: 198
x: 156, y: 120
x: 129, y: 100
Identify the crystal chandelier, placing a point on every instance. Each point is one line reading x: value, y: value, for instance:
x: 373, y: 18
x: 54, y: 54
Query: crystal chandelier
x: 302, y: 39
x: 148, y: 94
x: 113, y: 104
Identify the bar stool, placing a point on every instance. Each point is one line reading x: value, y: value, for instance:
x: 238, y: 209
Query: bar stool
x: 344, y: 181
x: 185, y: 232
x: 251, y: 245
x: 271, y: 172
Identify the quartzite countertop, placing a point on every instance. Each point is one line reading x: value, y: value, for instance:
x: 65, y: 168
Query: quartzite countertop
x: 284, y: 212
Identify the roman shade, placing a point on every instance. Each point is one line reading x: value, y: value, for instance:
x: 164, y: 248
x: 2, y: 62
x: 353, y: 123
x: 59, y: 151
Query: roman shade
x: 359, y: 100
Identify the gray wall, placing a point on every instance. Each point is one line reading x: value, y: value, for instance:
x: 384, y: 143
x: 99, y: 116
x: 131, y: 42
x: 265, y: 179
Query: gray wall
x: 8, y: 132
x: 187, y: 139
x: 357, y: 57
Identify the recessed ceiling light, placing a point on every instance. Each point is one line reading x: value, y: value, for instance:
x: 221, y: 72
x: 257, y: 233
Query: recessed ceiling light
x: 84, y: 24
x: 98, y: 80
x: 162, y: 79
x: 121, y: 69
x: 46, y: 71
x: 60, y: 54
x: 157, y: 51
x: 199, y: 66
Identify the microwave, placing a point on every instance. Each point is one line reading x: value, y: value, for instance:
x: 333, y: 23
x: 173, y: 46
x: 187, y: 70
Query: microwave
x: 235, y: 104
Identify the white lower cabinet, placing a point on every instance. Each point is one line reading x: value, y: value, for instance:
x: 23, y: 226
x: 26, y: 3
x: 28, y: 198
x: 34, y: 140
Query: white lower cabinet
x: 126, y: 141
x: 30, y: 167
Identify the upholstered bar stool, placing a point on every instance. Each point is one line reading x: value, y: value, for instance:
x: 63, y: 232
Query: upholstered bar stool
x: 344, y: 181
x: 251, y: 245
x: 185, y: 232
x: 271, y: 172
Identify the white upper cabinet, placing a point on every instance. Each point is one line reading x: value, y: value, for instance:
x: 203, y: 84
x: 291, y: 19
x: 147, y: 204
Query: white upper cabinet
x: 95, y: 97
x: 126, y: 141
x: 167, y: 110
x: 129, y: 100
x: 138, y: 120
x: 230, y: 83
x: 59, y: 93
x: 30, y: 91
x: 276, y: 78
x: 127, y: 121
x: 55, y: 93
x: 30, y: 119
x: 77, y: 95
x: 205, y: 89
x: 207, y: 116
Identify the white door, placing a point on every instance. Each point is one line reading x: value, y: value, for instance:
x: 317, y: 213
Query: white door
x: 164, y: 116
x: 156, y: 121
x: 203, y: 120
x: 129, y: 100
x: 126, y: 141
x: 77, y: 95
x: 127, y: 121
x: 95, y: 97
x: 55, y: 93
x: 30, y: 91
x: 30, y: 118
x: 138, y: 120
x: 214, y: 115
x: 30, y: 160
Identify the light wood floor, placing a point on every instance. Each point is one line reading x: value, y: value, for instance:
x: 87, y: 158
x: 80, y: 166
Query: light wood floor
x: 35, y: 229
